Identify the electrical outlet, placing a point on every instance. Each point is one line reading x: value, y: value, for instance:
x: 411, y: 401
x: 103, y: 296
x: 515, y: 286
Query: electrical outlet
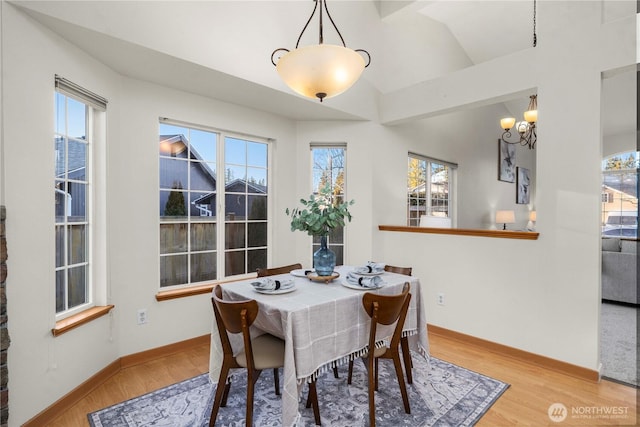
x: 441, y: 299
x: 142, y: 316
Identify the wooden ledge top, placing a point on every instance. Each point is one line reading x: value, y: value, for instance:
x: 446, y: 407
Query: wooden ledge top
x: 500, y: 234
x: 86, y: 316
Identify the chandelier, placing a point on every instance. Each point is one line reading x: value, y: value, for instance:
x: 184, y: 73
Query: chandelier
x: 527, y: 127
x: 322, y: 70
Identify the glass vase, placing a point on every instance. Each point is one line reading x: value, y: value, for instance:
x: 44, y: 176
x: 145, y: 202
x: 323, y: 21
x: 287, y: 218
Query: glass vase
x: 324, y: 259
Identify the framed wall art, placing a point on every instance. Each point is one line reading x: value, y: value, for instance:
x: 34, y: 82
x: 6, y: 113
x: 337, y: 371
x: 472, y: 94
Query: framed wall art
x: 506, y: 161
x: 523, y: 186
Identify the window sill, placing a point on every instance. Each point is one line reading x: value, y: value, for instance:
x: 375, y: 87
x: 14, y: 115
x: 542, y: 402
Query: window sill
x: 501, y: 234
x: 86, y: 316
x: 192, y: 290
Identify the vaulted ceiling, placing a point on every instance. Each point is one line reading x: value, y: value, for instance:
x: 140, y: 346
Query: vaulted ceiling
x: 222, y: 49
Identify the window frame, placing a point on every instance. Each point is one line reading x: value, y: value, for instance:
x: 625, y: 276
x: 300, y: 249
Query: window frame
x: 221, y: 221
x: 95, y: 226
x: 428, y: 207
x: 315, y: 241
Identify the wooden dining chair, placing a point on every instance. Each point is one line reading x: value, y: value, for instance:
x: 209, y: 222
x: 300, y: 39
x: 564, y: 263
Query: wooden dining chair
x: 263, y: 352
x: 404, y: 342
x: 263, y: 272
x: 384, y: 310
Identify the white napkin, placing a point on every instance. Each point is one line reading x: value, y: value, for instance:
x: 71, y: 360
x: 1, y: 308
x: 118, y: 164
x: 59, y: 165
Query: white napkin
x: 372, y: 282
x: 370, y: 267
x: 269, y: 284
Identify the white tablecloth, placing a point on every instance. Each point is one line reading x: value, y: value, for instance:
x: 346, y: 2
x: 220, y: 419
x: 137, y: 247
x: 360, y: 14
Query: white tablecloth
x: 322, y: 325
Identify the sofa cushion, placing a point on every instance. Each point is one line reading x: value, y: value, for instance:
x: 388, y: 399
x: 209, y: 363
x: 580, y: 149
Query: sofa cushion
x: 611, y: 245
x: 629, y: 246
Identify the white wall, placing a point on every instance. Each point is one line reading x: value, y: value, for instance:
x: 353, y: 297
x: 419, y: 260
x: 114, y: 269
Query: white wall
x: 540, y: 296
x: 42, y: 368
x: 134, y: 184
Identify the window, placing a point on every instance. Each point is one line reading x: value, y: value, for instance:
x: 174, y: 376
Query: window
x: 329, y: 161
x: 619, y: 210
x: 78, y: 118
x: 434, y: 199
x: 196, y: 244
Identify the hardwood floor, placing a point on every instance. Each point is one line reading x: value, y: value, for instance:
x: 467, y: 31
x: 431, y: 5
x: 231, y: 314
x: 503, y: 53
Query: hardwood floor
x: 525, y: 403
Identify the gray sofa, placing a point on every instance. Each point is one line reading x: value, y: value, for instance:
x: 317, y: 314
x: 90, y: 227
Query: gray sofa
x: 619, y: 270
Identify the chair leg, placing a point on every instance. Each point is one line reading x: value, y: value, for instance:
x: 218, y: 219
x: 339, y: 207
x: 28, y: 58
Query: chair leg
x: 312, y: 399
x: 220, y: 389
x: 403, y: 387
x: 276, y: 380
x: 406, y: 355
x: 335, y: 372
x: 252, y: 378
x: 372, y: 404
x: 376, y: 371
x: 350, y: 374
x: 225, y: 395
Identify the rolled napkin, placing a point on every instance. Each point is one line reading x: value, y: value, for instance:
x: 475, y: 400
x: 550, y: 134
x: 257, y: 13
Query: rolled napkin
x: 372, y: 282
x: 269, y: 284
x: 370, y: 267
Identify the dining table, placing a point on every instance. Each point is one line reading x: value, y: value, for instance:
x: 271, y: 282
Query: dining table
x: 323, y: 325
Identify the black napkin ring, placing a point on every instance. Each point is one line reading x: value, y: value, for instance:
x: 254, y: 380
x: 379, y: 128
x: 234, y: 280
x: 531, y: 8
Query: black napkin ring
x: 277, y: 284
x: 370, y: 269
x: 360, y: 280
x: 307, y: 272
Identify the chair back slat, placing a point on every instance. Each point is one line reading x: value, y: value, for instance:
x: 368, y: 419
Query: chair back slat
x: 231, y: 312
x: 263, y: 272
x: 389, y: 306
x: 385, y: 310
x: 399, y: 270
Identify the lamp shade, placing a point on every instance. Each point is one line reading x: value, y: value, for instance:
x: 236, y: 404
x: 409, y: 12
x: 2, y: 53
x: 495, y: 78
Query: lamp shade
x: 505, y: 217
x: 507, y: 123
x: 320, y: 71
x: 532, y: 216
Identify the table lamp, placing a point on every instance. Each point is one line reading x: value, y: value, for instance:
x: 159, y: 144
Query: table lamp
x: 505, y: 217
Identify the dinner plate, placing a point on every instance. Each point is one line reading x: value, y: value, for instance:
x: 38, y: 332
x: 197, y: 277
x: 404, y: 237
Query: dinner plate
x: 299, y: 272
x: 278, y: 292
x: 368, y: 274
x: 346, y: 284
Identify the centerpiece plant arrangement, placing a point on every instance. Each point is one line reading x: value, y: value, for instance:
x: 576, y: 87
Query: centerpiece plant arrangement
x: 318, y: 216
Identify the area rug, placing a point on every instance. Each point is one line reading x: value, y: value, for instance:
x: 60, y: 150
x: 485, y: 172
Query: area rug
x: 619, y: 343
x: 442, y: 394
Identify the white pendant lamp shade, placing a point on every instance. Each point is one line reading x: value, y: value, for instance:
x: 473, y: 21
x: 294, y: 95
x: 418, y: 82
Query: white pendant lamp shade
x: 320, y: 71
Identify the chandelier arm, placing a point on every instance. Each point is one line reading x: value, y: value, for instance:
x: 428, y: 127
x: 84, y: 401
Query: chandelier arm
x: 368, y: 56
x: 307, y: 24
x: 334, y: 24
x: 274, y: 52
x: 507, y: 134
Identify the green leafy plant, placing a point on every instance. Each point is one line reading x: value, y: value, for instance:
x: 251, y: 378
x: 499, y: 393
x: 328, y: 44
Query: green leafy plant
x: 320, y: 214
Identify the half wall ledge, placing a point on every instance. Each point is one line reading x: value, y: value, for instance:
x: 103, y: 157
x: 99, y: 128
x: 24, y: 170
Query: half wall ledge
x: 500, y: 234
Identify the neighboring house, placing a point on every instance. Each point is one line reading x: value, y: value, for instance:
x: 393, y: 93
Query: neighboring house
x: 614, y: 200
x: 202, y: 176
x: 73, y: 197
x: 438, y: 205
x: 203, y: 203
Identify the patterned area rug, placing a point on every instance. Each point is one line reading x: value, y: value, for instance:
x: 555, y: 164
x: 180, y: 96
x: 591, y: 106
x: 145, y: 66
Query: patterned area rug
x: 442, y: 394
